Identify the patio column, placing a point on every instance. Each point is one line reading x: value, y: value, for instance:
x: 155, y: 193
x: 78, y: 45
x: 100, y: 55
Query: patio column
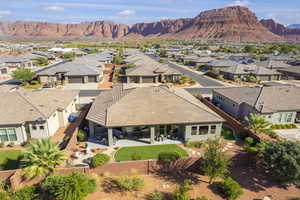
x: 110, y: 137
x: 152, y: 135
x: 91, y: 129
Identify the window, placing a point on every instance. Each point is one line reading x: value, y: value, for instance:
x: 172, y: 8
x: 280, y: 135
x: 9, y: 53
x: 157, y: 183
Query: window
x: 289, y: 117
x: 8, y: 135
x: 42, y: 127
x: 194, y: 130
x: 34, y: 127
x: 203, y: 130
x: 213, y: 129
x: 280, y: 117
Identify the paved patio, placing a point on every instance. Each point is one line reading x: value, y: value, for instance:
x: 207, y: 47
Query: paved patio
x: 95, y: 144
x: 289, y: 134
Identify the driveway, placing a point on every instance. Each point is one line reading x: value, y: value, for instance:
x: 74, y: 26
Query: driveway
x: 289, y: 134
x: 81, y: 86
x: 201, y: 79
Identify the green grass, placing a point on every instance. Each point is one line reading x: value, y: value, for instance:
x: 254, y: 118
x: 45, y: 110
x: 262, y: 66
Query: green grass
x: 147, y: 152
x: 9, y: 159
x: 35, y: 86
x: 227, y: 134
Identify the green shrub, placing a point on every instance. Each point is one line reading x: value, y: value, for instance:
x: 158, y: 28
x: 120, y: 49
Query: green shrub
x: 74, y: 187
x: 230, y: 189
x: 11, y: 144
x: 136, y: 156
x: 283, y: 126
x: 252, y: 79
x: 4, y: 195
x: 2, y: 144
x: 128, y: 183
x: 242, y: 135
x: 26, y: 193
x: 227, y: 134
x: 168, y: 156
x: 194, y: 144
x: 249, y: 141
x: 181, y: 192
x: 156, y: 196
x: 99, y: 160
x: 81, y: 136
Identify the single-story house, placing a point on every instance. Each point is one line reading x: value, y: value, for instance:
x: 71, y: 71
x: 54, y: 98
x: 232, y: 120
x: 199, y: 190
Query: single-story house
x: 80, y: 70
x: 273, y: 64
x: 149, y: 113
x: 220, y: 64
x: 194, y: 60
x: 148, y: 70
x: 37, y: 114
x: 243, y: 71
x: 279, y: 104
x: 290, y: 73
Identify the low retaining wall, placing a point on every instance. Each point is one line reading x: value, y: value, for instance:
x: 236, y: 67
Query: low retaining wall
x: 146, y: 166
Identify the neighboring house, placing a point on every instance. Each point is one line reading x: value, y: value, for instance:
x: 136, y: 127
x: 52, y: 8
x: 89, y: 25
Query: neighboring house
x: 194, y: 60
x: 290, y: 73
x: 34, y: 114
x: 220, y: 64
x: 148, y: 70
x: 279, y: 104
x: 147, y: 113
x: 80, y: 70
x: 273, y: 64
x: 243, y: 71
x: 8, y: 64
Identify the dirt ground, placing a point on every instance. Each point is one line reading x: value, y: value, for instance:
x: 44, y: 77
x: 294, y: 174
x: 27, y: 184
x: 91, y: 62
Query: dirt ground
x: 256, y: 184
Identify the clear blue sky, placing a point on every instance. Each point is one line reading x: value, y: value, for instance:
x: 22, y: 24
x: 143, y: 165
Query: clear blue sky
x: 133, y: 11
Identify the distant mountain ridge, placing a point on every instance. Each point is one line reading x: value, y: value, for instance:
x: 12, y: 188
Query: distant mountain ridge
x: 293, y: 26
x: 234, y: 23
x: 289, y: 34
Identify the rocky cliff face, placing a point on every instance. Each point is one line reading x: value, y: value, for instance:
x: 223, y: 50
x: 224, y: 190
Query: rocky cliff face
x: 289, y: 34
x: 230, y: 24
x: 102, y: 29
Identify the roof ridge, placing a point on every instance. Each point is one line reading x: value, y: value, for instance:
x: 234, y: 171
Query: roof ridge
x: 23, y: 97
x: 258, y: 97
x: 212, y: 113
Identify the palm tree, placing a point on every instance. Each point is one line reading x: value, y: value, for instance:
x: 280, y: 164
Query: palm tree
x: 258, y: 123
x: 41, y: 157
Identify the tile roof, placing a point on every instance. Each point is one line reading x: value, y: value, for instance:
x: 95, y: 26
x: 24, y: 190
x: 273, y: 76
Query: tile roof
x: 249, y: 69
x: 265, y: 99
x: 149, y: 106
x: 23, y: 105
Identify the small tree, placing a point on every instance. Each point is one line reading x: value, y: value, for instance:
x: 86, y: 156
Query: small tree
x: 117, y: 60
x: 215, y: 162
x: 282, y: 160
x: 74, y: 187
x: 251, y: 79
x: 41, y: 61
x: 41, y: 157
x: 258, y: 124
x: 23, y: 74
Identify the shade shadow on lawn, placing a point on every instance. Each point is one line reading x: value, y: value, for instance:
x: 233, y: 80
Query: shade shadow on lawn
x: 10, y: 159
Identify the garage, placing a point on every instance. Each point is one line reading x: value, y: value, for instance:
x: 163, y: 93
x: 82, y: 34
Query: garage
x: 92, y: 79
x: 148, y: 80
x: 76, y: 80
x: 134, y: 79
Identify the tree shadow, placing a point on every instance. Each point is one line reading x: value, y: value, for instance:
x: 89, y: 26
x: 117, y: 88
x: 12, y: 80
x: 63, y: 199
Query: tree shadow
x: 11, y: 164
x: 249, y: 175
x: 178, y: 171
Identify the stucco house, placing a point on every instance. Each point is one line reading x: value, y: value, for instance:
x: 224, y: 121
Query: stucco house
x: 290, y: 73
x: 278, y: 104
x: 243, y: 71
x: 34, y: 114
x: 150, y: 113
x: 147, y: 70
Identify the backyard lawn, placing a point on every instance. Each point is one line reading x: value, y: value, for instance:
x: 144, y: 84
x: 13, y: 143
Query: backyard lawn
x: 147, y: 152
x: 9, y: 159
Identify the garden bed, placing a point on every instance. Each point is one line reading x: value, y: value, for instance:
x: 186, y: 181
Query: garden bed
x: 147, y: 152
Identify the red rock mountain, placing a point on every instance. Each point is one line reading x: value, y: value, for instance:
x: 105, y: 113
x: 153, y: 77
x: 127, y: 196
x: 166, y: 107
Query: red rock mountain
x: 290, y: 34
x: 102, y: 29
x: 230, y: 24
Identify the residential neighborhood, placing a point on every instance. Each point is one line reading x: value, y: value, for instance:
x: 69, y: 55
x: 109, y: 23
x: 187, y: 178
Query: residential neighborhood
x: 148, y: 118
